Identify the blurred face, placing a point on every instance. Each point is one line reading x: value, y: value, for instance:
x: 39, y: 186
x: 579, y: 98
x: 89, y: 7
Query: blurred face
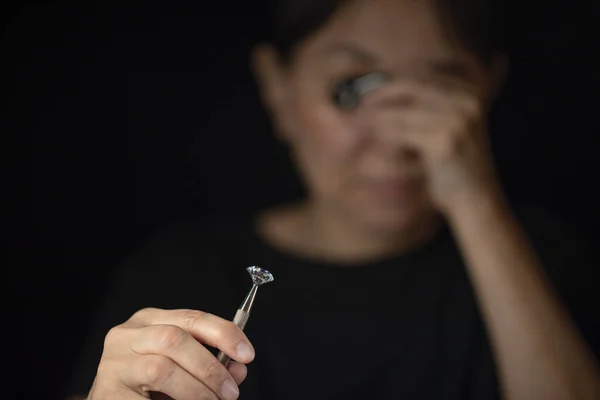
x: 347, y: 168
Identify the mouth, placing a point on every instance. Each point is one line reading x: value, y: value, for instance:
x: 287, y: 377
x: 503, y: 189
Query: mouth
x: 392, y: 188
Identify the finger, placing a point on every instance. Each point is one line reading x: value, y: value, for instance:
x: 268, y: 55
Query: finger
x: 154, y: 373
x: 416, y: 129
x: 419, y: 120
x: 422, y: 95
x: 207, y: 328
x: 238, y: 371
x: 179, y: 346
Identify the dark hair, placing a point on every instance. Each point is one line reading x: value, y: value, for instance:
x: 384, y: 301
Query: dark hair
x: 474, y: 24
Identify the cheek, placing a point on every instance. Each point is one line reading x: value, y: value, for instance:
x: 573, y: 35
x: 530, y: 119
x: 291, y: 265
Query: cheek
x: 325, y: 144
x: 326, y: 132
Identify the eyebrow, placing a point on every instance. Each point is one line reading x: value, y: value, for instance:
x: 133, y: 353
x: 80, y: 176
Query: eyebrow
x: 451, y: 67
x: 354, y: 51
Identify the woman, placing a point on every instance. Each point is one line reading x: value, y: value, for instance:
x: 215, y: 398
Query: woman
x: 402, y: 275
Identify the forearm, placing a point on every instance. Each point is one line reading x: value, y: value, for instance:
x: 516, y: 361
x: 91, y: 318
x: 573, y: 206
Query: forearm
x: 539, y: 352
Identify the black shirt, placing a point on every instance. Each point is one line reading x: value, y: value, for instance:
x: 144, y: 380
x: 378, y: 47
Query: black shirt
x: 404, y: 327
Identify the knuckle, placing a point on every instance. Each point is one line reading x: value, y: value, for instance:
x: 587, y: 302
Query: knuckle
x: 227, y: 329
x: 472, y: 106
x: 168, y: 336
x: 113, y: 336
x: 455, y: 125
x: 213, y: 370
x: 448, y: 147
x: 190, y: 318
x: 206, y: 394
x: 158, y: 370
x: 471, y: 109
x: 110, y: 335
x: 144, y: 313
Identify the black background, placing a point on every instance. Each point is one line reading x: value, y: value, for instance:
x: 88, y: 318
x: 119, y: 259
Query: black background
x: 124, y: 114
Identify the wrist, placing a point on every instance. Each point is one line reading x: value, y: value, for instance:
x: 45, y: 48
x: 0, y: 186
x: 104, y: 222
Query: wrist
x: 481, y: 205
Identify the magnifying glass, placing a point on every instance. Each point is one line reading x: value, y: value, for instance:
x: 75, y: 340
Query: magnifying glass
x: 348, y: 93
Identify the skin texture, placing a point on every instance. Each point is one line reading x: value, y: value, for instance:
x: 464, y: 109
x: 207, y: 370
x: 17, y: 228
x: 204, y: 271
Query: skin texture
x: 379, y: 181
x: 159, y: 354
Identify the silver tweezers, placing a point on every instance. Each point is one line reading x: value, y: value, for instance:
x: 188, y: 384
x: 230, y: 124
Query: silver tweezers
x: 259, y: 277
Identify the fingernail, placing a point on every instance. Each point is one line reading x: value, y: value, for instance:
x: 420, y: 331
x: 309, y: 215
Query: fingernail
x: 244, y: 351
x: 229, y: 390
